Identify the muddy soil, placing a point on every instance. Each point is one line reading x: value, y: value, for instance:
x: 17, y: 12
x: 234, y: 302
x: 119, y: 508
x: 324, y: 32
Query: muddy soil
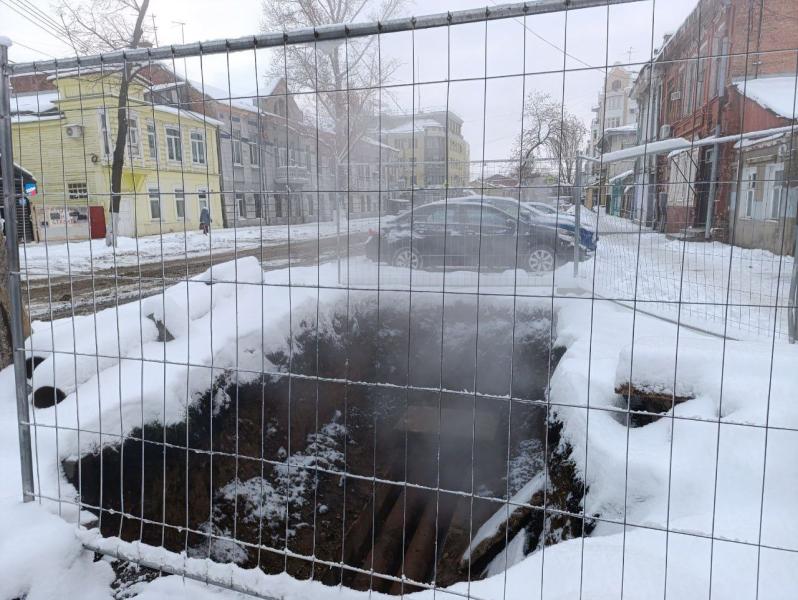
x: 351, y: 453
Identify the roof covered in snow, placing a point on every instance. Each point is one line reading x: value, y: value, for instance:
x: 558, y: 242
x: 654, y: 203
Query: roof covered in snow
x: 410, y: 126
x: 621, y: 176
x: 33, y: 103
x: 630, y: 128
x: 774, y: 93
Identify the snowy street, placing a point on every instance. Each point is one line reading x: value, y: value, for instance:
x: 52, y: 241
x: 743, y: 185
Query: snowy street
x: 79, y: 277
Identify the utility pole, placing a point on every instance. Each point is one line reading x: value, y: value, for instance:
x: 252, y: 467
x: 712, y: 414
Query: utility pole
x: 154, y: 29
x: 183, y: 41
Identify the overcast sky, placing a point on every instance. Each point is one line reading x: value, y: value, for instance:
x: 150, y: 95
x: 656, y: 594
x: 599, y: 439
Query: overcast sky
x: 579, y: 47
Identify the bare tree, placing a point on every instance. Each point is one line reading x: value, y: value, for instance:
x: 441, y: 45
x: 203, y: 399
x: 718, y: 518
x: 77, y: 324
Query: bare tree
x: 354, y: 65
x: 565, y: 143
x: 101, y: 26
x: 542, y: 116
x: 551, y: 134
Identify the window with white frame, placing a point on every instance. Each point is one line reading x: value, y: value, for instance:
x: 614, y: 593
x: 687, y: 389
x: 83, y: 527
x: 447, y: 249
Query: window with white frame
x: 154, y: 197
x: 238, y: 159
x: 180, y: 203
x: 202, y: 199
x: 749, y: 187
x: 152, y: 142
x: 241, y: 205
x: 78, y: 191
x: 133, y: 137
x: 614, y: 102
x: 776, y: 192
x: 198, y: 147
x: 105, y: 134
x: 174, y: 146
x: 253, y: 156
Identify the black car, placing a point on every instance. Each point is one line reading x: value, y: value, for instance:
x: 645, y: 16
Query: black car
x: 466, y: 234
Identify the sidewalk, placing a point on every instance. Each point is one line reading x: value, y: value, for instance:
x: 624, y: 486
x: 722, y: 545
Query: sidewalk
x: 37, y: 260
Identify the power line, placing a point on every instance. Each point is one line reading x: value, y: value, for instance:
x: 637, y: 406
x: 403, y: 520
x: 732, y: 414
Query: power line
x: 18, y: 43
x: 39, y: 13
x: 24, y: 14
x: 60, y: 28
x: 522, y: 22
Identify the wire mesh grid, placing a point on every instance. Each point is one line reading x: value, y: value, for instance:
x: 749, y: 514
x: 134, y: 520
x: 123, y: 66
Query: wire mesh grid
x: 338, y: 338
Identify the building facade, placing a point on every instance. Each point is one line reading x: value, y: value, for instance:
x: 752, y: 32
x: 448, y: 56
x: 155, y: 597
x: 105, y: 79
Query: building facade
x: 695, y: 90
x: 432, y: 152
x: 65, y: 129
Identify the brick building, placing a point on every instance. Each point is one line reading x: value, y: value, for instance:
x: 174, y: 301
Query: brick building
x: 693, y: 92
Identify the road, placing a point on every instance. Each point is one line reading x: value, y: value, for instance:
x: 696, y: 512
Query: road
x: 62, y: 296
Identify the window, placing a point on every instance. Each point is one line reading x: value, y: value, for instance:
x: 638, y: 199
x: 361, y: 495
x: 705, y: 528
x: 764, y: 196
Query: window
x: 613, y: 122
x: 241, y: 204
x: 174, y: 146
x: 198, y: 147
x: 77, y: 191
x: 776, y: 191
x: 614, y: 102
x: 133, y: 137
x: 152, y: 143
x: 749, y: 177
x: 258, y: 205
x: 154, y: 197
x: 202, y: 198
x: 180, y: 203
x: 105, y: 134
x: 616, y: 85
x: 278, y: 206
x: 253, y: 156
x: 237, y: 159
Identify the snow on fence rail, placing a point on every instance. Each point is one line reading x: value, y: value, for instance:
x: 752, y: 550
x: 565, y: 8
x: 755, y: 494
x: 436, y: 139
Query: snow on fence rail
x: 313, y: 363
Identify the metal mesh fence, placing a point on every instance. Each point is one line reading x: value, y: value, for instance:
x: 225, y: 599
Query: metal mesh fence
x: 366, y: 318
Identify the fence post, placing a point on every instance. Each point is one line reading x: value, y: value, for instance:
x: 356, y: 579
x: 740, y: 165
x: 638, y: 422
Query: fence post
x: 13, y: 283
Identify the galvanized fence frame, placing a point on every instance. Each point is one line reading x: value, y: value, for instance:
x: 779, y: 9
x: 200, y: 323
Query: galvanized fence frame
x: 333, y: 32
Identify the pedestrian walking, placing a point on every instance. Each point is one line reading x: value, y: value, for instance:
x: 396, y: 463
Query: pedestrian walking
x: 205, y: 220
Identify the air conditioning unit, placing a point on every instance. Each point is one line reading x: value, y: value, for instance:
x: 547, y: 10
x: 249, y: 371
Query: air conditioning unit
x: 74, y: 131
x: 664, y: 132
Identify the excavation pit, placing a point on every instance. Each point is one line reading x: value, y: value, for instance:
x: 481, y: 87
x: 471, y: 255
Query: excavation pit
x: 367, y: 448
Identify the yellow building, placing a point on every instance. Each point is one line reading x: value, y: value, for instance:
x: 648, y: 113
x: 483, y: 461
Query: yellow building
x: 64, y: 131
x: 423, y: 155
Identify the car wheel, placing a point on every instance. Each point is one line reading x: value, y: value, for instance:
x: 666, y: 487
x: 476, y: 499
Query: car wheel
x: 540, y: 260
x: 407, y: 258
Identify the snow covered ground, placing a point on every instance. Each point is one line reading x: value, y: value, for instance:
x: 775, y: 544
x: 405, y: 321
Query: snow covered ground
x: 698, y: 504
x: 83, y: 257
x: 713, y: 286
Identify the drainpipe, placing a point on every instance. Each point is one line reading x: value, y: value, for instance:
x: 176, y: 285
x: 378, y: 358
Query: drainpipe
x: 220, y: 165
x: 713, y: 186
x: 792, y: 311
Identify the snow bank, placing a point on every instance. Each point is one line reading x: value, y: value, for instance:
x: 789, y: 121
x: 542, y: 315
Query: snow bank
x: 41, y: 558
x: 713, y: 472
x: 664, y: 475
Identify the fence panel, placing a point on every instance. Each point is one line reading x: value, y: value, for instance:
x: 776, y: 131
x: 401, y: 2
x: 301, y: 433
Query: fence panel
x: 379, y: 308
